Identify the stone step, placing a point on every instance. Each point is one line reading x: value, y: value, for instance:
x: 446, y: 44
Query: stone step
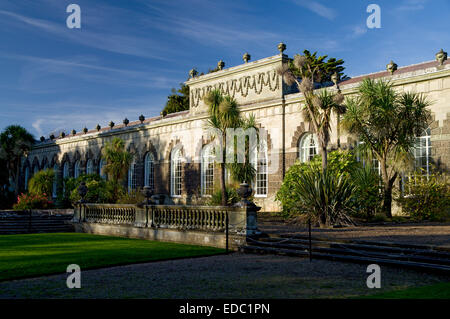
x: 367, y: 242
x: 347, y: 258
x: 430, y: 251
x: 36, y: 224
x: 332, y: 248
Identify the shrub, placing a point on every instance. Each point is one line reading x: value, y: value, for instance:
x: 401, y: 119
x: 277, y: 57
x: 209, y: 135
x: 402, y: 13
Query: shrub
x: 133, y: 197
x: 429, y: 198
x: 326, y: 196
x: 340, y: 163
x: 32, y: 201
x: 99, y: 191
x: 368, y: 197
x: 42, y: 182
x: 216, y: 197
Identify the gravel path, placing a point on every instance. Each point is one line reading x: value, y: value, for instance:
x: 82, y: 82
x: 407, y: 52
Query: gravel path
x: 426, y: 233
x: 224, y: 276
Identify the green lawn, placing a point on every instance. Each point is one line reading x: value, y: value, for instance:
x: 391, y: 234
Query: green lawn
x: 438, y: 291
x: 42, y: 254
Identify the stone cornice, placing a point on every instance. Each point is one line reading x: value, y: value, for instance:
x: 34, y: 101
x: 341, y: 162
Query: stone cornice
x: 242, y: 68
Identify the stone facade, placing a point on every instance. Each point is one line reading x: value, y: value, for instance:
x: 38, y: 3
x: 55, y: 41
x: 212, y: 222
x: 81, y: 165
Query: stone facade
x: 259, y: 91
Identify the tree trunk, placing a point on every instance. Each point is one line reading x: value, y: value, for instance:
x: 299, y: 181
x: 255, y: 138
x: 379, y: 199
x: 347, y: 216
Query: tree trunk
x: 222, y: 184
x: 387, y: 203
x: 387, y: 185
x: 324, y: 154
x: 222, y: 174
x: 338, y: 120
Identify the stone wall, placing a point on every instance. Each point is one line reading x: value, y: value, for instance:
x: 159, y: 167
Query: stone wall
x: 276, y: 109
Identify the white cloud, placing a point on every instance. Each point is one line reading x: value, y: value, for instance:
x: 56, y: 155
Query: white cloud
x: 117, y: 43
x: 412, y: 5
x: 37, y: 126
x: 317, y: 8
x: 358, y: 31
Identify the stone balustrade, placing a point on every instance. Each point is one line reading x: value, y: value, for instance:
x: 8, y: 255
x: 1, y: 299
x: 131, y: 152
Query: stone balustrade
x: 188, y: 224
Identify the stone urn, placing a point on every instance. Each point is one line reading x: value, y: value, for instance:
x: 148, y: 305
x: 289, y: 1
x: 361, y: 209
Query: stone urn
x: 391, y: 67
x: 147, y: 191
x: 246, y: 57
x: 244, y: 191
x: 193, y: 73
x: 220, y: 65
x: 281, y: 47
x: 441, y: 56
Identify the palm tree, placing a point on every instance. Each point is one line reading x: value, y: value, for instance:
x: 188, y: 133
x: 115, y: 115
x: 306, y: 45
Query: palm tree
x: 305, y: 71
x: 15, y: 143
x: 224, y: 114
x: 387, y: 123
x: 118, y: 161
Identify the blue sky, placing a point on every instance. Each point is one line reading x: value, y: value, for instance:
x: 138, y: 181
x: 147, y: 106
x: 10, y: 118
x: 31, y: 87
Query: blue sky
x: 129, y: 54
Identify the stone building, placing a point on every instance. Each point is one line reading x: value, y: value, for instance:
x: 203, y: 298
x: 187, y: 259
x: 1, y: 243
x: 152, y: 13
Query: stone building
x: 172, y: 152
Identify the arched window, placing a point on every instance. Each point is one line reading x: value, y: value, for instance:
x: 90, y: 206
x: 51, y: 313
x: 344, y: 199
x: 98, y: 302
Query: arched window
x: 66, y: 170
x: 89, y: 167
x: 76, y: 169
x: 132, y: 177
x: 27, y: 176
x: 65, y: 174
x: 175, y: 173
x: 261, y: 170
x: 422, y: 152
x: 36, y: 169
x: 101, y: 167
x: 55, y: 181
x: 308, y: 147
x: 149, y: 177
x: 207, y: 171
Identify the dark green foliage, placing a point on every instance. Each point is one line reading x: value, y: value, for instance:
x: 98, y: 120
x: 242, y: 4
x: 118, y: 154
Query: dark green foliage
x: 42, y: 182
x: 387, y: 122
x: 368, y: 191
x: 364, y: 201
x: 15, y: 142
x: 325, y: 196
x: 216, y: 197
x: 99, y: 190
x: 341, y: 163
x: 177, y: 101
x: 324, y: 68
x: 428, y: 199
x: 133, y: 197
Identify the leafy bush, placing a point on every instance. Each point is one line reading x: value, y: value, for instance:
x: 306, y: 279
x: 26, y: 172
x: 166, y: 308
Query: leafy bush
x: 42, y: 182
x: 216, y: 197
x: 133, y: 197
x: 32, y: 201
x: 328, y: 198
x: 99, y: 190
x: 340, y: 163
x: 429, y: 198
x: 368, y: 197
